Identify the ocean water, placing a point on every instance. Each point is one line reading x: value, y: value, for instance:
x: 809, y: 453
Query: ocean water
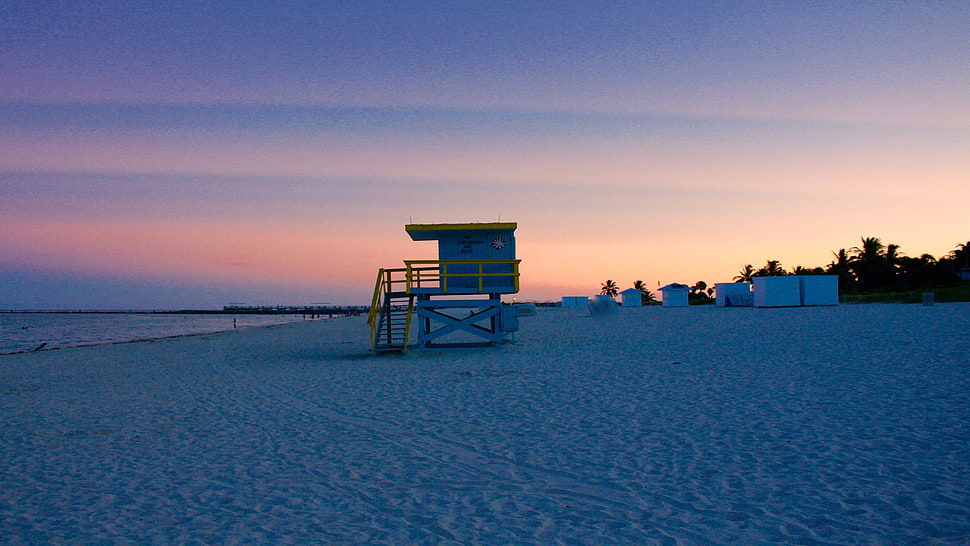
x: 28, y: 331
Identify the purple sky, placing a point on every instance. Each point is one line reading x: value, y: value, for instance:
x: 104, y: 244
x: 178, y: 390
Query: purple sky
x: 177, y: 155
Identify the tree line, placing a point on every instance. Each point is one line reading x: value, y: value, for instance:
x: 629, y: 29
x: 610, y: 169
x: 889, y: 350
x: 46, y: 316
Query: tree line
x: 699, y: 291
x: 611, y: 289
x: 871, y: 267
x: 875, y: 266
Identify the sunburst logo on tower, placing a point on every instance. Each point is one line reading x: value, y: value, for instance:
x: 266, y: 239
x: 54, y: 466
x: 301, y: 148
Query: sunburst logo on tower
x: 498, y: 243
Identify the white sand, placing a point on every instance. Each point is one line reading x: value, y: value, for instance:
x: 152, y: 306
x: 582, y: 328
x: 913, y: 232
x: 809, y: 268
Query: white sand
x: 812, y: 425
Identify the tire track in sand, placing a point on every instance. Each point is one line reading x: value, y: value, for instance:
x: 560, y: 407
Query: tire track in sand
x: 564, y: 488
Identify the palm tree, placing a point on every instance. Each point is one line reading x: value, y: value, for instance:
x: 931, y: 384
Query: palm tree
x: 918, y: 272
x: 891, y: 269
x: 745, y: 274
x: 799, y: 270
x: 698, y: 291
x: 867, y: 262
x: 872, y: 249
x: 646, y: 298
x: 841, y: 266
x: 961, y: 254
x: 955, y: 264
x: 841, y: 260
x: 874, y: 264
x: 772, y: 268
x: 958, y: 260
x: 610, y: 288
x: 892, y: 253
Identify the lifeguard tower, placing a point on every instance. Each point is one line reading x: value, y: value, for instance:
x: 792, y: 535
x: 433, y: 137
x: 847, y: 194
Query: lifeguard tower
x: 458, y: 296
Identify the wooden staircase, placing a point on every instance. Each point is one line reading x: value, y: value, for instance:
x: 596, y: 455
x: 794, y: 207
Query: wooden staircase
x: 390, y: 312
x: 393, y: 323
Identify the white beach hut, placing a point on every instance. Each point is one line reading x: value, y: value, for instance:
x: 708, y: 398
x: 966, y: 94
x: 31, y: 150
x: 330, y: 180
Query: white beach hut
x: 733, y: 294
x: 675, y: 295
x: 819, y: 289
x: 631, y: 297
x: 575, y: 301
x: 776, y: 291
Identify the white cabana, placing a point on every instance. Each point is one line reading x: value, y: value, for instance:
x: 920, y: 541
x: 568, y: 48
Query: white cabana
x: 819, y: 289
x: 631, y: 297
x: 675, y: 295
x: 574, y: 301
x: 733, y: 294
x: 776, y: 291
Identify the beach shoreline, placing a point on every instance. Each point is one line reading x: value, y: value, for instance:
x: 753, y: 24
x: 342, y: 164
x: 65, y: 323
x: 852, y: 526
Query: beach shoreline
x: 825, y: 425
x: 34, y: 331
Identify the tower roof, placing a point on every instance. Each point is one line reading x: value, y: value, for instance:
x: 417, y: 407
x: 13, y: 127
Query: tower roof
x: 433, y: 232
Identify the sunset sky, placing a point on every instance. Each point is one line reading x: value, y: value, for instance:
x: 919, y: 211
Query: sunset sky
x: 192, y: 155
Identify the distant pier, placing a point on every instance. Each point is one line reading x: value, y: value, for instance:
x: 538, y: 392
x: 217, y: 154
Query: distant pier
x: 312, y: 310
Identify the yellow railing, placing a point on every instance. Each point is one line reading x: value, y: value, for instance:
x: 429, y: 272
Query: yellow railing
x: 434, y: 274
x: 387, y: 281
x: 375, y: 303
x: 375, y: 309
